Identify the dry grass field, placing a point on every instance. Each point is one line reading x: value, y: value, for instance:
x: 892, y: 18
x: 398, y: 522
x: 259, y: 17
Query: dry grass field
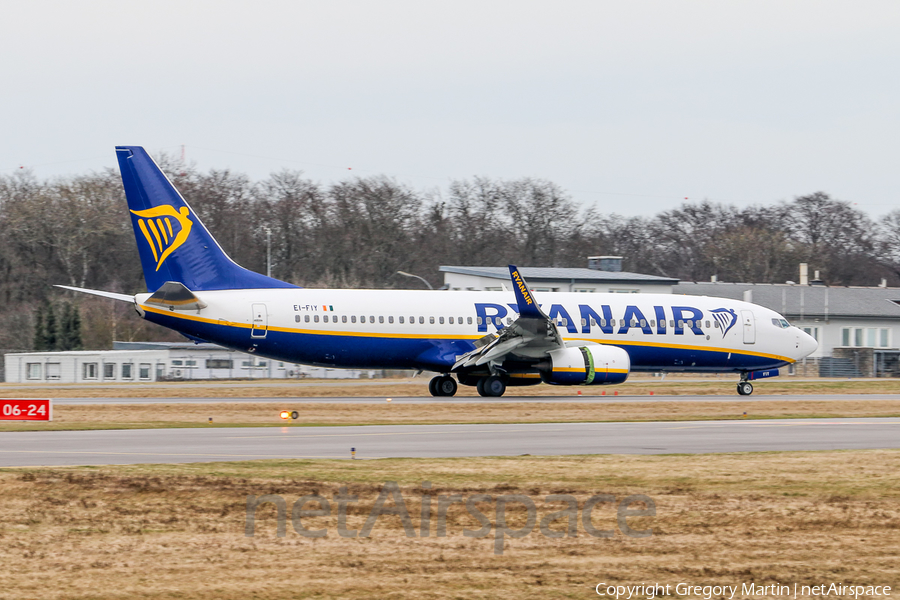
x: 143, y: 416
x: 178, y: 531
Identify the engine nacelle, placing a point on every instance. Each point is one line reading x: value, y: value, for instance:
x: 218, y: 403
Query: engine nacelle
x: 587, y: 365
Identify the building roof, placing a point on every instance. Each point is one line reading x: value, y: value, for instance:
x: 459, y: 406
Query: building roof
x: 120, y: 345
x: 807, y: 301
x: 580, y: 275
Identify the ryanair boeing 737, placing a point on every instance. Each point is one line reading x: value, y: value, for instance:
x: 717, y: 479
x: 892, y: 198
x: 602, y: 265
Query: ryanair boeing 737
x: 490, y: 340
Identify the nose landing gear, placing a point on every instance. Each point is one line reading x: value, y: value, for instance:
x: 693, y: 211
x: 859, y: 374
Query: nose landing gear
x: 744, y: 388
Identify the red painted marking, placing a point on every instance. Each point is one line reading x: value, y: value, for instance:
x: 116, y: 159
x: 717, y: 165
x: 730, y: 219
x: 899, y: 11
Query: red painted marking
x: 14, y: 409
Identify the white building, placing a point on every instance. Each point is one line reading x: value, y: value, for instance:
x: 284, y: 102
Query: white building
x: 553, y: 279
x: 157, y: 361
x: 859, y: 324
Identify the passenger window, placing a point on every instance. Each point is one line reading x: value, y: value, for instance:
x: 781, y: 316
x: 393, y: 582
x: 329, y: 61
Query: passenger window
x: 390, y: 319
x: 353, y: 318
x: 509, y: 320
x: 422, y: 320
x: 634, y: 322
x: 412, y: 320
x: 441, y: 320
x: 621, y: 322
x: 400, y: 319
x: 371, y: 319
x: 672, y: 323
x: 584, y: 322
x: 707, y: 324
x: 469, y: 320
x: 565, y: 322
x: 593, y: 322
x: 643, y: 322
x: 297, y: 318
x: 316, y: 318
x: 498, y: 322
x: 451, y: 320
x: 431, y: 320
x: 306, y: 318
x: 325, y: 318
x: 602, y: 322
x: 461, y: 320
x: 343, y: 318
x: 479, y: 320
x: 652, y: 323
x: 681, y: 324
x: 380, y: 319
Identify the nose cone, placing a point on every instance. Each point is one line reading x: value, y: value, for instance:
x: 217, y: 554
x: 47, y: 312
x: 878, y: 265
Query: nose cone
x: 806, y: 344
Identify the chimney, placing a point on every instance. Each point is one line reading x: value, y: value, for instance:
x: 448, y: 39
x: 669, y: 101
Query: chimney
x: 605, y: 263
x: 804, y: 274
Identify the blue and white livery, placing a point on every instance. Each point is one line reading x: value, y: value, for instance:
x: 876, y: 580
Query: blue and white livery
x: 486, y: 339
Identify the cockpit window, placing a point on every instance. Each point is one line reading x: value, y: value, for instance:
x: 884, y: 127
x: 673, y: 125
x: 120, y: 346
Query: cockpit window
x: 780, y: 323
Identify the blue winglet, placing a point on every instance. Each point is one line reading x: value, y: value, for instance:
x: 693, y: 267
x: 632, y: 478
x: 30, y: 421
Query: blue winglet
x: 172, y: 242
x: 528, y: 307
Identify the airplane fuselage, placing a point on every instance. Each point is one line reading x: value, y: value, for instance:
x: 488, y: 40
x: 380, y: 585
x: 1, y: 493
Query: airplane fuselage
x: 429, y: 330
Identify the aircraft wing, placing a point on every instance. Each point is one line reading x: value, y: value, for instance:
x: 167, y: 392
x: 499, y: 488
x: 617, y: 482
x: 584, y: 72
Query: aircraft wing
x: 532, y: 335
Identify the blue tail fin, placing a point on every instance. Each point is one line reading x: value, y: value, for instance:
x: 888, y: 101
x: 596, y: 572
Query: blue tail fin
x: 173, y: 243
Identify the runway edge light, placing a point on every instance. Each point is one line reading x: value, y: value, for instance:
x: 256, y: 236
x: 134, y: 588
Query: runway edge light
x: 285, y: 415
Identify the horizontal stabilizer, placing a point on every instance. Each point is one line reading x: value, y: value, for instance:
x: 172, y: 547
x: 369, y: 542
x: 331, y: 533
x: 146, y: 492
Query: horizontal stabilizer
x: 175, y: 296
x: 113, y: 295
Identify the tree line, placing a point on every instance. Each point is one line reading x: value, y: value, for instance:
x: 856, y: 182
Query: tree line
x: 358, y: 233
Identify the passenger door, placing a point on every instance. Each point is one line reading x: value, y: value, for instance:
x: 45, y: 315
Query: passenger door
x: 260, y: 323
x: 749, y: 326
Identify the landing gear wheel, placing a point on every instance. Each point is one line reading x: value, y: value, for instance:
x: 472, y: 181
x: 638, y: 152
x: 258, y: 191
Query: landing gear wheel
x: 442, y: 385
x: 446, y: 386
x: 745, y: 388
x: 492, y: 386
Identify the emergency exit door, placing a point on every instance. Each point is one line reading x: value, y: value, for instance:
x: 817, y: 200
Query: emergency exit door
x: 260, y: 323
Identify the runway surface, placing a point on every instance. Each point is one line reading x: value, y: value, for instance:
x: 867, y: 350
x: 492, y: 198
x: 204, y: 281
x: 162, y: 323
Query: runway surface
x: 462, y: 400
x: 59, y: 448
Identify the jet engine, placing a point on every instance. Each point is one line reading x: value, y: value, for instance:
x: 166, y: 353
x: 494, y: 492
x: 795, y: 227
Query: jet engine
x: 586, y: 365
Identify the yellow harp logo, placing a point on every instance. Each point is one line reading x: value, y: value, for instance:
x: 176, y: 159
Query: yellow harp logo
x: 165, y: 229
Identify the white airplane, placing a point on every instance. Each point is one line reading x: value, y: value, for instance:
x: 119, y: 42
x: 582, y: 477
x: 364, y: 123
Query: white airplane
x: 490, y: 340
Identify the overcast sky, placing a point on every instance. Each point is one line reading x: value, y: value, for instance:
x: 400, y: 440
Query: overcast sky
x: 631, y: 106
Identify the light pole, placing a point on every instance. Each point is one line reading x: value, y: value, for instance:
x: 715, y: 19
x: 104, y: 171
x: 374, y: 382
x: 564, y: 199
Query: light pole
x: 405, y: 274
x: 268, y: 252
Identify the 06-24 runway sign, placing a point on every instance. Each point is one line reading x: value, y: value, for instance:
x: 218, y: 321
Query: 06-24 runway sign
x: 26, y: 410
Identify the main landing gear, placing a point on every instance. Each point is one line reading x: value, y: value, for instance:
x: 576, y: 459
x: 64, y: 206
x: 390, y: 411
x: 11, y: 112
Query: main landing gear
x: 492, y: 386
x: 442, y: 385
x: 744, y: 388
